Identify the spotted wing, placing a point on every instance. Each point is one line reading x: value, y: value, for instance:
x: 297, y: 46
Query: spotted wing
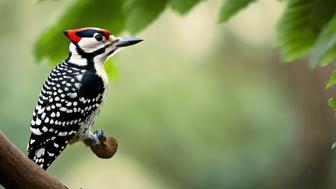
x: 62, y: 106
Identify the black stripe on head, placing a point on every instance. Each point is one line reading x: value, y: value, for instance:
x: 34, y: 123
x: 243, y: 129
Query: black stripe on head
x: 90, y: 56
x: 89, y: 33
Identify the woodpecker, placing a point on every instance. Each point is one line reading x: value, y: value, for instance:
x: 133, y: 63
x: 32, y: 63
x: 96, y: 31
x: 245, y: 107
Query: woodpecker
x: 72, y: 95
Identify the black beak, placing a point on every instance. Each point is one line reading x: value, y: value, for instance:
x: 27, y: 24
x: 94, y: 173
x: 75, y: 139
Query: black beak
x: 127, y: 41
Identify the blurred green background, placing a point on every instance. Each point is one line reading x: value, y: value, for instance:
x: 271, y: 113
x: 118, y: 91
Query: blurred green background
x: 196, y: 105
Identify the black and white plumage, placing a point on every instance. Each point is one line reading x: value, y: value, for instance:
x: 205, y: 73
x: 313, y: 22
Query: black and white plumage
x: 72, y: 95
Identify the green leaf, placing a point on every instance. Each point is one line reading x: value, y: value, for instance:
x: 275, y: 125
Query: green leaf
x: 111, y: 69
x: 53, y: 45
x: 140, y: 13
x: 232, y: 7
x: 332, y: 80
x: 183, y: 6
x: 332, y: 103
x: 301, y: 25
x: 325, y: 44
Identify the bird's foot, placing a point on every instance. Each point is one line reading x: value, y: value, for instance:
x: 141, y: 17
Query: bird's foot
x: 99, y: 138
x: 103, y: 146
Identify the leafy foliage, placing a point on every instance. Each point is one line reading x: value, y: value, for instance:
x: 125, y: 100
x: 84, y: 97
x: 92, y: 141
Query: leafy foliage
x: 296, y: 32
x: 332, y: 80
x: 116, y: 16
x: 307, y: 27
x: 332, y: 103
x: 232, y: 7
x: 184, y: 6
x: 300, y: 26
x: 324, y: 50
x: 140, y: 13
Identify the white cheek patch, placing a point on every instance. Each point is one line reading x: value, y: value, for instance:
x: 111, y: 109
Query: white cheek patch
x: 89, y: 45
x: 75, y: 58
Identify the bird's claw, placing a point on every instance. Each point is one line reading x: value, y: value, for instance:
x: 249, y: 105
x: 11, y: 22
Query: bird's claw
x: 100, y: 134
x: 99, y: 137
x: 95, y: 142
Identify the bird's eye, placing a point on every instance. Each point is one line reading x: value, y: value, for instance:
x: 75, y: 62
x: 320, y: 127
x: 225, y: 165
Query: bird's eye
x: 99, y: 37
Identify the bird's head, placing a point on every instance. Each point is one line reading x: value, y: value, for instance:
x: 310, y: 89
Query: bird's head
x: 92, y: 44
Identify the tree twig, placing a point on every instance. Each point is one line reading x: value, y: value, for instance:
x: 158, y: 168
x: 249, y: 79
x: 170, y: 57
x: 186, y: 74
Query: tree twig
x: 106, y: 149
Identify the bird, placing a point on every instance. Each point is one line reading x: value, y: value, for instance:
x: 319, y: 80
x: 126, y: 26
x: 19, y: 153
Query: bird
x: 73, y: 94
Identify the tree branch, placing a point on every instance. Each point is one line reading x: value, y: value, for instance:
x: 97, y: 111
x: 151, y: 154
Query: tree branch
x: 19, y: 172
